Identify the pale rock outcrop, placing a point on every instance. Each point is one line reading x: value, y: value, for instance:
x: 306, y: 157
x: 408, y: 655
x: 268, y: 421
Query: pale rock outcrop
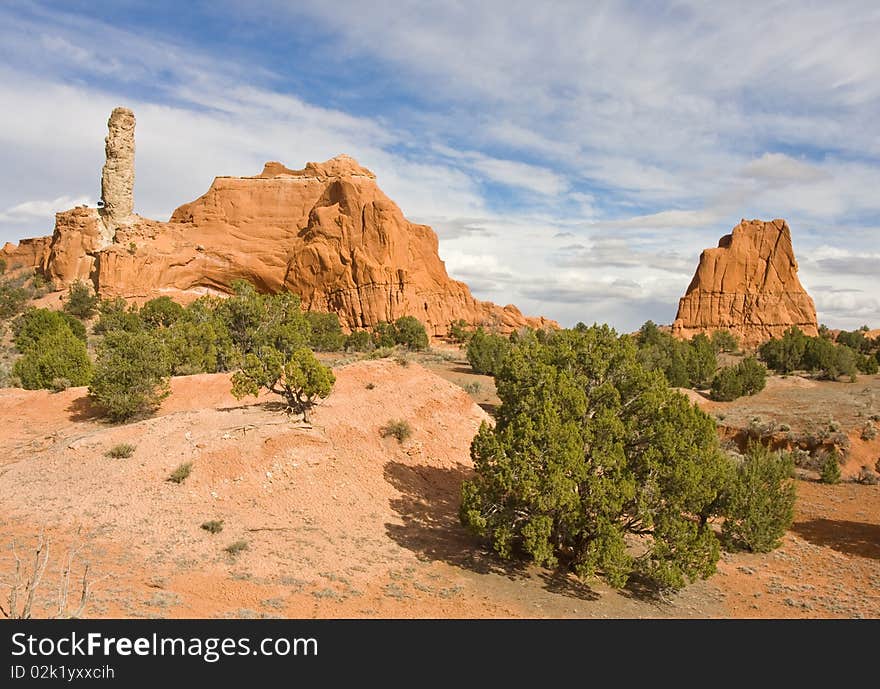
x: 117, y: 177
x: 748, y: 284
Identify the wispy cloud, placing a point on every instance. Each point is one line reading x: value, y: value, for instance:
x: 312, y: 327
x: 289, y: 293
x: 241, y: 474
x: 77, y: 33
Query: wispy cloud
x: 41, y: 208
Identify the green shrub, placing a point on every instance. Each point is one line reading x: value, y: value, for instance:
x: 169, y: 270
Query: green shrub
x: 785, y: 354
x: 181, y: 473
x: 236, y: 548
x: 397, y: 428
x: 726, y: 385
x: 300, y: 379
x: 201, y: 340
x: 12, y: 299
x: 459, y: 331
x: 795, y: 351
x: 746, y: 378
x: 383, y: 335
x: 486, y: 352
x: 869, y: 432
x: 701, y: 360
x: 161, y: 312
x: 758, y: 504
x: 131, y: 374
x: 57, y: 354
x: 868, y: 364
x: 194, y: 347
x: 116, y: 314
x: 359, y: 341
x: 34, y: 324
x: 81, y: 302
x: 830, y: 360
x: 255, y: 321
x: 59, y: 384
x: 689, y: 363
x: 409, y: 332
x: 214, y: 526
x: 325, y: 332
x: 829, y: 470
x: 2, y: 266
x: 856, y: 340
x: 590, y: 448
x: 724, y: 341
x: 752, y: 374
x: 121, y: 451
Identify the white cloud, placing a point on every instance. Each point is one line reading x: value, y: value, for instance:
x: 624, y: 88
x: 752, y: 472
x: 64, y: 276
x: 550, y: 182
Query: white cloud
x: 521, y: 175
x: 641, y: 132
x: 510, y: 172
x: 41, y: 209
x: 780, y: 168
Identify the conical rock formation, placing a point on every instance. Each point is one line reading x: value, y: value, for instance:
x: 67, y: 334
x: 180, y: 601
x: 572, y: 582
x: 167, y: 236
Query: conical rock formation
x: 748, y: 284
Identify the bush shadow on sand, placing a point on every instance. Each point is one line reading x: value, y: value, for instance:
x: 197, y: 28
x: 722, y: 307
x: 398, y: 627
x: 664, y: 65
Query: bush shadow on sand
x: 849, y: 538
x: 84, y: 409
x: 431, y: 529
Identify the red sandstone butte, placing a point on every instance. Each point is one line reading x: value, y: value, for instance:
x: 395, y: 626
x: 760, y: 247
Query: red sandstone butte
x: 748, y: 285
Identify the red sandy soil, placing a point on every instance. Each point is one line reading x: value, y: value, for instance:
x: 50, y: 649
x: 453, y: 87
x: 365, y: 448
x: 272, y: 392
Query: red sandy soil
x: 808, y: 406
x: 341, y: 522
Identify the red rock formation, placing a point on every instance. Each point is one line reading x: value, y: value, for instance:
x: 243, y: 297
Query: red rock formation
x: 79, y: 234
x: 326, y: 232
x: 28, y: 253
x: 748, y: 285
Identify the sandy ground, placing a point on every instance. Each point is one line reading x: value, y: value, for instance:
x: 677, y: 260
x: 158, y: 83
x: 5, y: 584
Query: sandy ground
x: 341, y: 522
x: 803, y: 407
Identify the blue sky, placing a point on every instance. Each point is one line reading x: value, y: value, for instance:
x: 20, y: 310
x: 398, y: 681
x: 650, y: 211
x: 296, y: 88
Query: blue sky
x: 574, y: 158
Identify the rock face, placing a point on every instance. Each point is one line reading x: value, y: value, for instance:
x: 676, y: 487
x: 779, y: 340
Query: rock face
x: 117, y: 177
x: 748, y: 285
x: 326, y: 232
x: 79, y: 234
x: 28, y: 253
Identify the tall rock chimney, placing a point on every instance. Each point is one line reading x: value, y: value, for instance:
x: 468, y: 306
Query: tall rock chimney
x: 117, y: 177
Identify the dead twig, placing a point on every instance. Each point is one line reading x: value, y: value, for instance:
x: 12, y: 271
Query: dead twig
x: 27, y: 585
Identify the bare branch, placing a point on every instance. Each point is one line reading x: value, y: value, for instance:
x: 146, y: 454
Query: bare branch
x: 41, y: 559
x: 85, y: 592
x: 31, y: 583
x: 13, y: 594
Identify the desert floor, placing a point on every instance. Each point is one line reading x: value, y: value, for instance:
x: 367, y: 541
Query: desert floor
x: 338, y: 521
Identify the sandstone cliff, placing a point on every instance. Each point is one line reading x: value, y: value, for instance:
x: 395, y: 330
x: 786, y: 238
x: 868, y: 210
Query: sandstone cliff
x: 28, y: 253
x: 326, y: 232
x: 748, y: 285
